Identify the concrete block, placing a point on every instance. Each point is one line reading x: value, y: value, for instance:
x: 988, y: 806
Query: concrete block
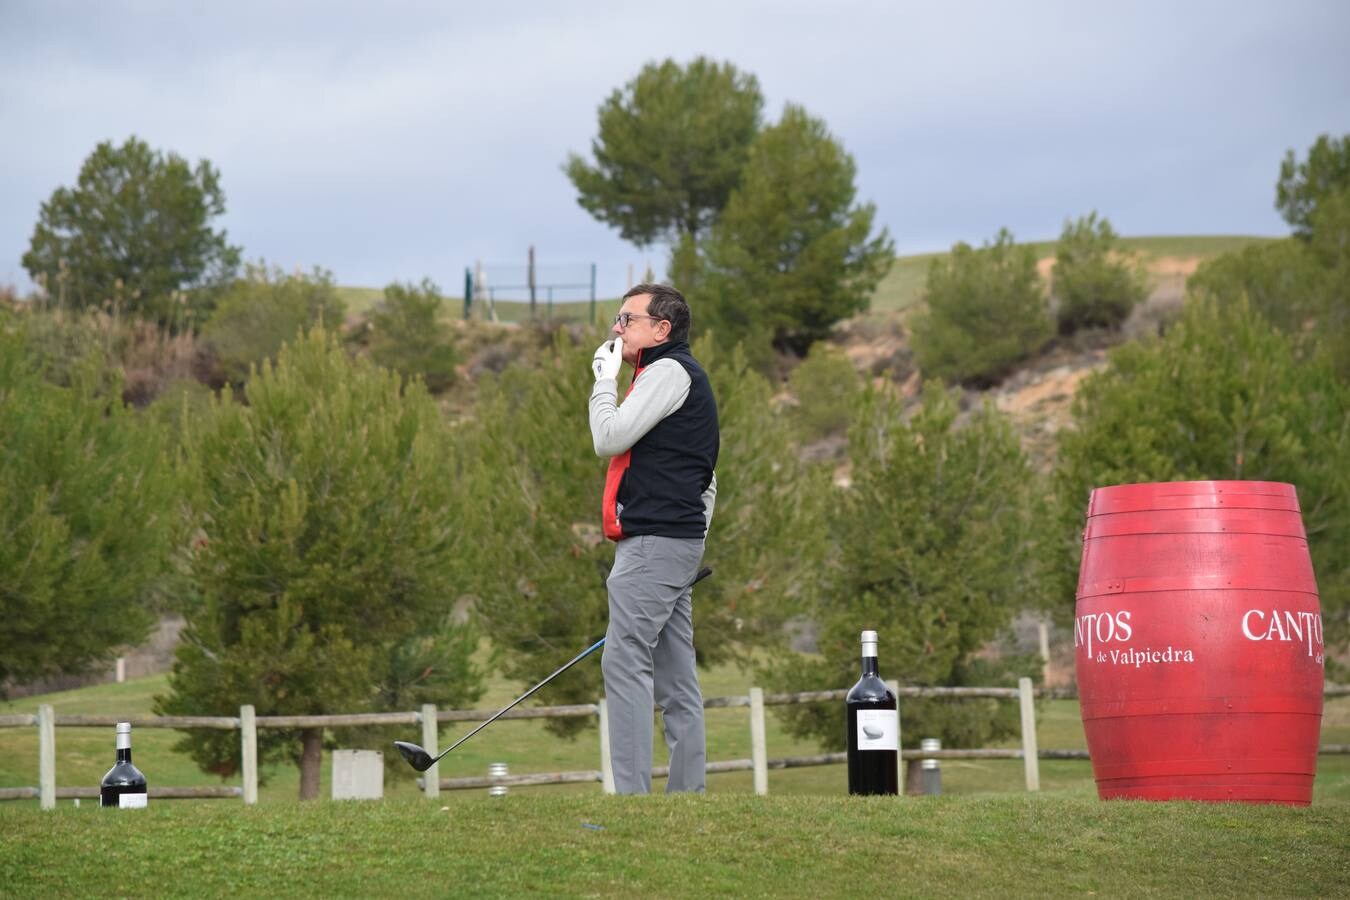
x: 358, y: 775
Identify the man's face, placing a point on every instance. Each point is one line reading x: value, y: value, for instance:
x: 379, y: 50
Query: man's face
x: 642, y: 331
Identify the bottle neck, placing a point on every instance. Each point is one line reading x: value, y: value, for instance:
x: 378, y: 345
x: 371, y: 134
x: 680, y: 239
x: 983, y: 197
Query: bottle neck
x: 124, y: 754
x: 869, y: 666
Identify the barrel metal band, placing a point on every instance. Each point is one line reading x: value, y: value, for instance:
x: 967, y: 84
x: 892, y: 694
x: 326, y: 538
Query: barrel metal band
x: 1290, y: 526
x: 1099, y: 505
x: 1292, y: 764
x: 1130, y: 498
x: 1293, y: 583
x: 1293, y: 789
x: 1307, y: 705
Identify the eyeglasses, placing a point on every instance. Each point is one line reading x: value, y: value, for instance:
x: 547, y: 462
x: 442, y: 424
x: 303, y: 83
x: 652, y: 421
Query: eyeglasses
x: 624, y: 319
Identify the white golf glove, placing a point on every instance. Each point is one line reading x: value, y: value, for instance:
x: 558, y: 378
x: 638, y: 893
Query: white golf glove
x: 607, y: 360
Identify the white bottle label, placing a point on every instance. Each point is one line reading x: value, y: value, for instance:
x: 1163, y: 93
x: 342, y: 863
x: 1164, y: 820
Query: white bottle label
x: 878, y: 729
x: 132, y: 801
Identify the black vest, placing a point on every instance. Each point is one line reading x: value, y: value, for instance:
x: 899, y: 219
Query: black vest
x: 657, y: 486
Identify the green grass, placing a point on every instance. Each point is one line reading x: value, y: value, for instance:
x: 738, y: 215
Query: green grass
x: 902, y: 288
x: 360, y: 300
x: 570, y: 311
x: 684, y: 846
x: 985, y: 837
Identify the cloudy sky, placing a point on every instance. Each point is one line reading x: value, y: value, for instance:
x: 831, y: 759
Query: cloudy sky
x: 396, y: 140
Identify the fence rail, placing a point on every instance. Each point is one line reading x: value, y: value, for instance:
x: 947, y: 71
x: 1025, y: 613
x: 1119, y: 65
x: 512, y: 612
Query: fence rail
x: 429, y: 717
x: 223, y: 723
x: 160, y: 793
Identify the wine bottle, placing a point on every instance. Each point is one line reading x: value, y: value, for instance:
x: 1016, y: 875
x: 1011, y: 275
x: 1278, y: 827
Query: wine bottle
x: 873, y: 729
x: 124, y: 785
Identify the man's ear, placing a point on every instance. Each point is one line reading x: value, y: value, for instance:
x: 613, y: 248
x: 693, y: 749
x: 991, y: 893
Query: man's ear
x: 663, y: 335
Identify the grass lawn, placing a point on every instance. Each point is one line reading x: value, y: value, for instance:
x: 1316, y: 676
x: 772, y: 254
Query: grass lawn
x: 985, y: 837
x: 981, y: 845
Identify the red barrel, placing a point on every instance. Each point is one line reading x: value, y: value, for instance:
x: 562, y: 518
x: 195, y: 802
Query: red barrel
x: 1198, y: 643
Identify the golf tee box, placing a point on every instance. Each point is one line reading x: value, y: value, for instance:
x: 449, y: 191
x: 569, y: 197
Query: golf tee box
x: 358, y: 775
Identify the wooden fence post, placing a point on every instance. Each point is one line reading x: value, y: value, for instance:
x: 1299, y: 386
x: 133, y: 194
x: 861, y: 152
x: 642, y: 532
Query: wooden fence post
x: 759, y: 753
x: 1030, y: 761
x: 248, y: 747
x: 899, y: 736
x: 46, y: 756
x: 606, y: 766
x: 1043, y: 633
x: 431, y: 780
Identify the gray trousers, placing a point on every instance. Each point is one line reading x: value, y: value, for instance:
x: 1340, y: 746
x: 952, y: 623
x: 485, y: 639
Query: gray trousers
x: 649, y: 660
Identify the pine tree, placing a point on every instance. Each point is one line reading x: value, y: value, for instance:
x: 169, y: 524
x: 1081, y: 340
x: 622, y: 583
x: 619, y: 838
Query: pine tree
x: 135, y: 234
x: 792, y: 253
x: 407, y: 334
x: 1095, y: 286
x: 986, y: 313
x: 1302, y: 186
x: 930, y: 547
x: 1223, y: 395
x: 331, y: 555
x: 766, y: 542
x: 671, y: 147
x: 90, y: 511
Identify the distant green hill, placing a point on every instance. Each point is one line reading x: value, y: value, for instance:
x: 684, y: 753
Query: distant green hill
x: 360, y: 300
x: 903, y: 286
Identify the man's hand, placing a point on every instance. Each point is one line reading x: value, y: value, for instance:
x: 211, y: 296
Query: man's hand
x: 607, y: 360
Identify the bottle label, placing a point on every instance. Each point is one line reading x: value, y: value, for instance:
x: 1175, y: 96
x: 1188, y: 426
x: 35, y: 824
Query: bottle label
x: 132, y: 801
x: 878, y: 729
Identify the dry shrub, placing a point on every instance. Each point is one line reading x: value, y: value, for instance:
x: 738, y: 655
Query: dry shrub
x: 152, y: 359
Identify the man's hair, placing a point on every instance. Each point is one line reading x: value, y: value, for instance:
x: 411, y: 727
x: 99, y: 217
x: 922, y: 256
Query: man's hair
x: 666, y: 303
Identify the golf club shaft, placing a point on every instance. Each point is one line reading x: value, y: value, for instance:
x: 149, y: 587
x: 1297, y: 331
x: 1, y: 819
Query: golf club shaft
x: 702, y: 574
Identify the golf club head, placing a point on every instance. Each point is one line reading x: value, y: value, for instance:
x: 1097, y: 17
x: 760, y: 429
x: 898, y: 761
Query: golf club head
x: 418, y: 758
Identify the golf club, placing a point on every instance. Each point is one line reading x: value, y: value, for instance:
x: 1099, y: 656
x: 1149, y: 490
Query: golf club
x: 421, y: 760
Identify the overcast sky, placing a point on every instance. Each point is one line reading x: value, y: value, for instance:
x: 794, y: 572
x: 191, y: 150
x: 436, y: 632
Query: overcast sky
x: 392, y: 141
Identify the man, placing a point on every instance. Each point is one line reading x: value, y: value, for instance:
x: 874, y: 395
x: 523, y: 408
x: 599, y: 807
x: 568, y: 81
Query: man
x: 657, y: 507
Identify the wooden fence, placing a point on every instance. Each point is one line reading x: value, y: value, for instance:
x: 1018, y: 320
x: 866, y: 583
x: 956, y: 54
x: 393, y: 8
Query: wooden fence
x: 430, y: 718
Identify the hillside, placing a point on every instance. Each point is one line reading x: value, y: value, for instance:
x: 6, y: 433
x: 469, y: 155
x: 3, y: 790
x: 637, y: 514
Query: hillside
x: 1169, y: 261
x: 1038, y: 395
x: 1168, y: 258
